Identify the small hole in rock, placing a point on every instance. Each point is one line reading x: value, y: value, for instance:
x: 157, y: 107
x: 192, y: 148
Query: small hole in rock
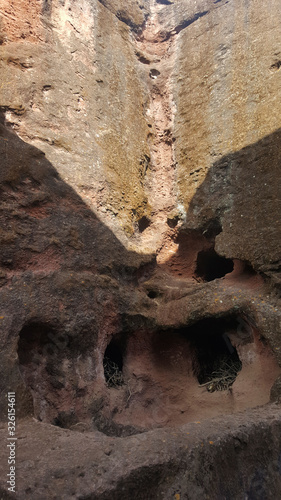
x: 276, y: 66
x: 211, y: 266
x: 154, y: 73
x: 142, y: 58
x: 143, y: 224
x: 113, y: 364
x: 173, y: 221
x: 152, y: 294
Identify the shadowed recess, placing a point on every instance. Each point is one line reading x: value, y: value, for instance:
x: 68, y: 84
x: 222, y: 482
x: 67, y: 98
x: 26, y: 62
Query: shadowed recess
x: 211, y: 266
x: 216, y: 362
x: 34, y: 338
x: 113, y: 363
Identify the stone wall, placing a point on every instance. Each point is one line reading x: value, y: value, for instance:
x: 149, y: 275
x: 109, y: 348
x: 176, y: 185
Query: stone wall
x: 139, y: 243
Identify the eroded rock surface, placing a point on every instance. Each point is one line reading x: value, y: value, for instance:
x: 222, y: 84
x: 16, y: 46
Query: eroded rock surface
x: 139, y: 257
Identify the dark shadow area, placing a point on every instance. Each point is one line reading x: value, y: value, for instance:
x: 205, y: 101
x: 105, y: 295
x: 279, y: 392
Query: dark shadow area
x: 40, y: 349
x: 65, y: 419
x: 50, y: 225
x: 187, y: 22
x: 248, y: 269
x: 164, y: 2
x: 143, y: 224
x: 204, y: 349
x: 123, y: 16
x: 237, y: 208
x: 173, y: 221
x: 211, y: 266
x: 66, y: 263
x: 153, y: 73
x: 113, y: 363
x: 216, y: 362
x: 41, y: 353
x: 34, y: 341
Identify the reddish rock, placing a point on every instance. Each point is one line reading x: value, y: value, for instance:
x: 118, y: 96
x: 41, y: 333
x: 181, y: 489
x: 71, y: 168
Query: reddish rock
x: 139, y: 257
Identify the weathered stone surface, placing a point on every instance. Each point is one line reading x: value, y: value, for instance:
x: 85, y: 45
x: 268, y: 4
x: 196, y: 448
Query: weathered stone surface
x: 227, y: 127
x: 139, y: 247
x: 74, y: 92
x: 59, y: 265
x: 132, y: 13
x: 215, y: 459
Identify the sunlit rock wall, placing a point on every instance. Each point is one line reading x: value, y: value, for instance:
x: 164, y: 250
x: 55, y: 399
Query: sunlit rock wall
x: 70, y: 86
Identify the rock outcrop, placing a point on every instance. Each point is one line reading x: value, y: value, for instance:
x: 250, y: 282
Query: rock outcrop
x: 139, y: 258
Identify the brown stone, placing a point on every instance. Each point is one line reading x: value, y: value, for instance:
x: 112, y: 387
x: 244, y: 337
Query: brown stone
x: 139, y: 257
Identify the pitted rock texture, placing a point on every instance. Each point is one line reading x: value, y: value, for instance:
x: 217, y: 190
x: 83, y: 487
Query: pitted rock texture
x: 215, y: 459
x: 139, y: 258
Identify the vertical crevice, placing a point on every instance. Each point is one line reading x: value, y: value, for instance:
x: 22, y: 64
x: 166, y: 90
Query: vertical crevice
x: 156, y: 55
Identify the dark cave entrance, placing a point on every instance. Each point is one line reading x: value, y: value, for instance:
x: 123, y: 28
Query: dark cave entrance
x: 113, y: 363
x: 211, y: 266
x: 216, y: 362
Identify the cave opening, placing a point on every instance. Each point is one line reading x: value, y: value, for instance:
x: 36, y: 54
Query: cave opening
x: 216, y: 363
x: 210, y: 265
x: 113, y: 363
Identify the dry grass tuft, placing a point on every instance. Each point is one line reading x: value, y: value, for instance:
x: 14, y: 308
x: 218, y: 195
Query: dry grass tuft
x: 113, y: 374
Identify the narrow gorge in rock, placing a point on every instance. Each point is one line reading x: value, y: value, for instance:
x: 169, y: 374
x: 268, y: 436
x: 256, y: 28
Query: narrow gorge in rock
x: 140, y: 260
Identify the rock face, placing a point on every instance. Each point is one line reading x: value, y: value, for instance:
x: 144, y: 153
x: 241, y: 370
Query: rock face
x: 71, y: 87
x: 139, y: 258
